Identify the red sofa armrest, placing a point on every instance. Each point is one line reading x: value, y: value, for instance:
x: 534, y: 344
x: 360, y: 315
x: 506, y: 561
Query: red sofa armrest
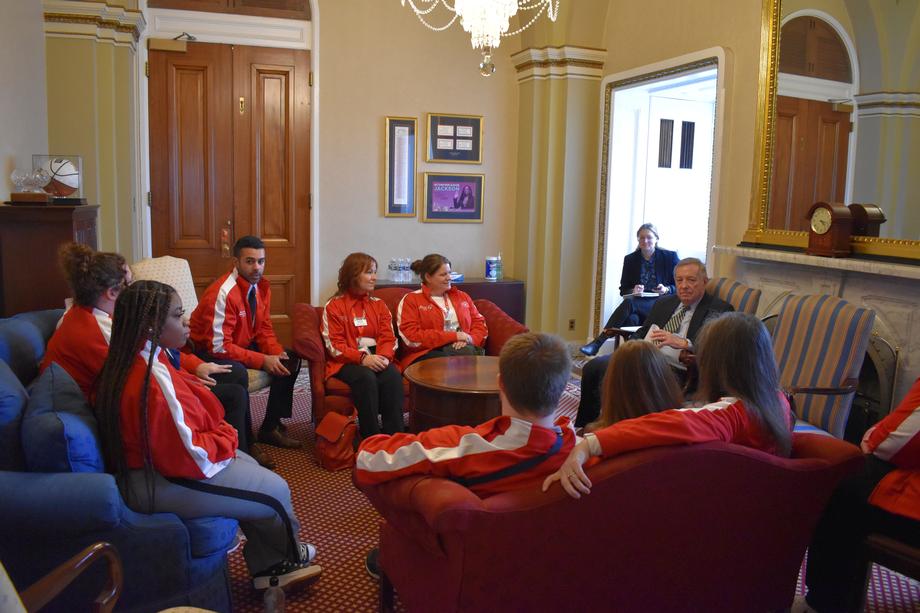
x: 308, y: 343
x: 501, y: 325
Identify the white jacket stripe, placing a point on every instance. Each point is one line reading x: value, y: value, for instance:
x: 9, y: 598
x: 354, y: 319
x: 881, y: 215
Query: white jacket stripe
x: 470, y: 444
x: 399, y: 310
x: 899, y: 437
x: 220, y: 309
x: 198, y: 454
x: 105, y: 324
x: 332, y: 350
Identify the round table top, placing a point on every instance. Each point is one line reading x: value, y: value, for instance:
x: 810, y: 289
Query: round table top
x: 471, y: 374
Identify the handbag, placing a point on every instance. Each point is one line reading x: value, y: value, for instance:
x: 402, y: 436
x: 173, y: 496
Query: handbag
x: 335, y: 437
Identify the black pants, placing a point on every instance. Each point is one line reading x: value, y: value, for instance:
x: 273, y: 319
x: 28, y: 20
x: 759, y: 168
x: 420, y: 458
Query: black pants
x: 631, y: 312
x: 448, y: 351
x: 235, y: 399
x: 376, y: 394
x: 836, y: 569
x: 280, y: 394
x: 592, y: 378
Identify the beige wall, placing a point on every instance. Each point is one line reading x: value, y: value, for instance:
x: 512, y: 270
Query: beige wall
x: 368, y: 71
x: 23, y: 109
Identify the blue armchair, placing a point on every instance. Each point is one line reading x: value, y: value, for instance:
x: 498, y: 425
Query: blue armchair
x: 46, y: 517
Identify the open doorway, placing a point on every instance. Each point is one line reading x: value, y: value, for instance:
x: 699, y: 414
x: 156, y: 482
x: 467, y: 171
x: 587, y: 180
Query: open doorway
x: 659, y: 156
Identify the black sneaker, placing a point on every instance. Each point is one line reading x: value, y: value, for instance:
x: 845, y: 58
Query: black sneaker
x: 288, y: 572
x: 370, y: 563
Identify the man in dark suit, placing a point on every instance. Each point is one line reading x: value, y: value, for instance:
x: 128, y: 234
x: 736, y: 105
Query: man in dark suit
x: 673, y: 324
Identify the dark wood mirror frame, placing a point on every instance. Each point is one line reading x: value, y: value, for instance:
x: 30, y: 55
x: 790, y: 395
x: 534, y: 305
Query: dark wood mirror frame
x: 758, y: 233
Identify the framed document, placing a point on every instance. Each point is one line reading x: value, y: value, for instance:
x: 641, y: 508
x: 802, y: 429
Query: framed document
x: 399, y: 168
x: 454, y: 138
x: 453, y: 197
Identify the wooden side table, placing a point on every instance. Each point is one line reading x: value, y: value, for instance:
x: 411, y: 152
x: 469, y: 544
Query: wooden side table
x: 460, y: 390
x: 30, y: 278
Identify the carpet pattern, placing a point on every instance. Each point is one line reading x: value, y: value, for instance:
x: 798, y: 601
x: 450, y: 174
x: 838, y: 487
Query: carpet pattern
x: 343, y: 525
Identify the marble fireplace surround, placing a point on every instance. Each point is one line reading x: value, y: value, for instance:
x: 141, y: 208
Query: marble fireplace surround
x: 891, y: 290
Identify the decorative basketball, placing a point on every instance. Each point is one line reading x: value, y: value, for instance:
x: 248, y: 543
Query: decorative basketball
x: 65, y: 179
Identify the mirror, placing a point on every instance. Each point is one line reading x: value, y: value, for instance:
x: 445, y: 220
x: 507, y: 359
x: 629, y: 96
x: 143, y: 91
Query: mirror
x: 875, y: 162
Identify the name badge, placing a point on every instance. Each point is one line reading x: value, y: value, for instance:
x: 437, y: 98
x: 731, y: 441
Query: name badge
x: 360, y: 322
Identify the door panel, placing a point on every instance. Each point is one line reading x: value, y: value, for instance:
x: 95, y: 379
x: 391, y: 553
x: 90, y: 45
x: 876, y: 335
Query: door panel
x: 229, y: 156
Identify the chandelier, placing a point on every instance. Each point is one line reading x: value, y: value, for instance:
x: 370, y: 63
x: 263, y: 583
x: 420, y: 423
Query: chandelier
x: 487, y: 21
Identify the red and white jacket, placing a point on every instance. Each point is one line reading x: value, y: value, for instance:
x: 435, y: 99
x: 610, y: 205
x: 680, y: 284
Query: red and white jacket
x: 726, y: 420
x: 81, y: 344
x: 421, y: 323
x: 340, y: 333
x: 466, y: 452
x: 188, y: 435
x: 222, y: 324
x: 896, y: 439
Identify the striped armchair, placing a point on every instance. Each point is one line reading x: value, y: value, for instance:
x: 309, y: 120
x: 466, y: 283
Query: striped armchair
x: 820, y: 343
x: 744, y: 299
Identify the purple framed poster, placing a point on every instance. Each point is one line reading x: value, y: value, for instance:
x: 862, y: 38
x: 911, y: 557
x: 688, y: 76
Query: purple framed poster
x: 453, y: 197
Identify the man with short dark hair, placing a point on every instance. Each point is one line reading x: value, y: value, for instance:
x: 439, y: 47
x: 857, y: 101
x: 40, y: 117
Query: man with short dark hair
x: 232, y: 324
x: 672, y: 324
x: 516, y: 449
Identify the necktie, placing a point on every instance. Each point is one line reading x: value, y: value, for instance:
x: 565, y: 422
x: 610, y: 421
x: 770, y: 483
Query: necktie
x: 673, y: 324
x: 173, y: 355
x: 252, y: 306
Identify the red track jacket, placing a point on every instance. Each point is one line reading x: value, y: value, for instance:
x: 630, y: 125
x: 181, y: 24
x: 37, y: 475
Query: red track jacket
x: 896, y: 439
x: 222, y: 326
x: 341, y: 335
x: 188, y: 435
x: 421, y: 323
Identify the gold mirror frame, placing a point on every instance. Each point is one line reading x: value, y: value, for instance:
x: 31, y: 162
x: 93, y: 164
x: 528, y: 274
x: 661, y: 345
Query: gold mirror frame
x: 758, y: 232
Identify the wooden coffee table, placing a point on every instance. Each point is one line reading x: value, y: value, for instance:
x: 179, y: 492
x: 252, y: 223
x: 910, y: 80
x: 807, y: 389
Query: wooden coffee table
x: 456, y: 390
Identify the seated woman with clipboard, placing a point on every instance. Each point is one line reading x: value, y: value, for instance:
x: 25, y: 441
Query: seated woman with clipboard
x: 648, y: 274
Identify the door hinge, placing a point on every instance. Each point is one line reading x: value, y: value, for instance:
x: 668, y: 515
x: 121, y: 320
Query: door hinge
x: 311, y: 78
x: 146, y: 69
x: 309, y: 202
x: 149, y: 200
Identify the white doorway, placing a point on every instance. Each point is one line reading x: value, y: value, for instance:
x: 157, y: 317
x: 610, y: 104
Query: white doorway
x: 660, y: 168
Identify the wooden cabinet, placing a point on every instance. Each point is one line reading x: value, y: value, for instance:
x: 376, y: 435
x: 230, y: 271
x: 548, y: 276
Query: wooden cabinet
x: 30, y: 277
x: 508, y: 294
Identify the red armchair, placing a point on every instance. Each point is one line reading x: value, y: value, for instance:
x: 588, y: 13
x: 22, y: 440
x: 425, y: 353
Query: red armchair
x: 333, y: 395
x: 713, y: 527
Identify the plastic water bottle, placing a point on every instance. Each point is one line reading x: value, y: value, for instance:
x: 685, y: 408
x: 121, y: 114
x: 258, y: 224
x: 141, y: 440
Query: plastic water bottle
x: 274, y: 597
x: 499, y: 270
x: 391, y: 270
x: 404, y: 269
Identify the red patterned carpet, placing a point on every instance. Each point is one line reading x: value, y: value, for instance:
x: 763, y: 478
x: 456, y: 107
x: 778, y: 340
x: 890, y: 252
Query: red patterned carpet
x: 342, y: 524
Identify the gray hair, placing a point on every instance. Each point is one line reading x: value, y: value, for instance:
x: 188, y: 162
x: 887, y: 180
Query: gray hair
x: 689, y: 261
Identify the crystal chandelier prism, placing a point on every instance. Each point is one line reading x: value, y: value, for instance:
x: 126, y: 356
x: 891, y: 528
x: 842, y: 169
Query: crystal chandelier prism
x: 487, y: 21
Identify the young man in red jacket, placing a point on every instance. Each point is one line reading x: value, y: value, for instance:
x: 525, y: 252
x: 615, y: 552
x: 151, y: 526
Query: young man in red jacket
x: 511, y: 451
x: 232, y: 324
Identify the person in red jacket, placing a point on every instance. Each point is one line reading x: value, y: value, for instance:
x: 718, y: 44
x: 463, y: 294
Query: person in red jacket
x: 81, y: 342
x: 738, y: 377
x: 232, y: 325
x: 164, y: 437
x: 511, y: 451
x: 361, y: 347
x: 438, y: 320
x: 883, y: 498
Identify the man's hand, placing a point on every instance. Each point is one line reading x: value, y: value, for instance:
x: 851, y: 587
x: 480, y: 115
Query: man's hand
x: 273, y: 366
x: 571, y: 475
x: 206, y: 369
x: 661, y: 289
x: 668, y: 339
x: 375, y: 362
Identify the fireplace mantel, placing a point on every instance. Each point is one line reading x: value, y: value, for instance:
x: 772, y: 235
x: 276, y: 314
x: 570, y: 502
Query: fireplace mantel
x: 891, y: 290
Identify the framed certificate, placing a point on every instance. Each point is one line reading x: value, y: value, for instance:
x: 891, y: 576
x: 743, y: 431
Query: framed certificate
x: 399, y: 168
x: 454, y: 138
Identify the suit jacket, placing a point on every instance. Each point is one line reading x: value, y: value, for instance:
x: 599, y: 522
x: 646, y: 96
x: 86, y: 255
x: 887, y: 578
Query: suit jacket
x: 664, y: 260
x: 709, y: 307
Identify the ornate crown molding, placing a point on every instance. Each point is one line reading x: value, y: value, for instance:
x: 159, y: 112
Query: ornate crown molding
x: 560, y: 63
x: 97, y: 20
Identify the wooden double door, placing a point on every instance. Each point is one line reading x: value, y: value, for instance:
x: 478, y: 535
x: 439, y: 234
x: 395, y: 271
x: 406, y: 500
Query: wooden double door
x: 230, y: 156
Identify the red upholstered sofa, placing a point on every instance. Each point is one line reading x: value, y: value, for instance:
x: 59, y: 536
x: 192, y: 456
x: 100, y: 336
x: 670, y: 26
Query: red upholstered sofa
x: 333, y: 395
x: 713, y: 527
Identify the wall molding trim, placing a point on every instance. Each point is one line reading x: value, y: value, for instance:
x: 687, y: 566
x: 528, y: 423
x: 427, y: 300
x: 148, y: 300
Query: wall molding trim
x: 94, y: 20
x: 232, y: 29
x: 559, y: 63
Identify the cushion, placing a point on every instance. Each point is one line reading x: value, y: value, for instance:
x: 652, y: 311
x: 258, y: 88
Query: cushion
x: 13, y: 399
x: 210, y: 535
x: 258, y: 379
x: 59, y: 430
